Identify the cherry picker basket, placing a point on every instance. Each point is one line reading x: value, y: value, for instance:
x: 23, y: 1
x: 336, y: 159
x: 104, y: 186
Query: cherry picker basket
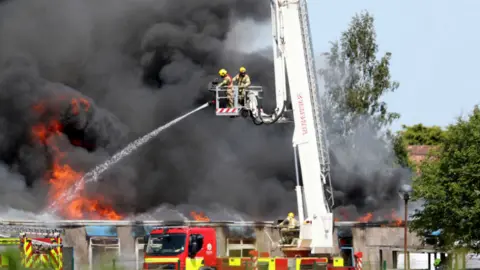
x: 221, y: 99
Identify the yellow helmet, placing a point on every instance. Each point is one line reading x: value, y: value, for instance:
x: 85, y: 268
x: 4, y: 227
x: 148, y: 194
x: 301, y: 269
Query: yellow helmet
x: 291, y: 215
x: 222, y: 72
x: 243, y: 70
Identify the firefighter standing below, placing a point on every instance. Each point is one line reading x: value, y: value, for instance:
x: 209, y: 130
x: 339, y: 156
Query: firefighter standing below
x: 243, y: 81
x: 439, y: 264
x: 227, y: 81
x: 289, y: 231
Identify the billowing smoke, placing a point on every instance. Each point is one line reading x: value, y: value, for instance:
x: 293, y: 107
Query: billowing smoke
x: 138, y: 64
x: 365, y: 180
x: 365, y: 176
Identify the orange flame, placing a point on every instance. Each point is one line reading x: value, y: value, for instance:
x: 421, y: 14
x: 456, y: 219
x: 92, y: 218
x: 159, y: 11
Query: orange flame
x: 397, y: 221
x: 62, y: 176
x: 366, y: 218
x: 392, y: 219
x: 39, y: 108
x: 79, y: 103
x: 42, y: 131
x: 199, y: 216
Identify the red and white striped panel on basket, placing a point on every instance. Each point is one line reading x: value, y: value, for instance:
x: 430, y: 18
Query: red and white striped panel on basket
x: 227, y: 110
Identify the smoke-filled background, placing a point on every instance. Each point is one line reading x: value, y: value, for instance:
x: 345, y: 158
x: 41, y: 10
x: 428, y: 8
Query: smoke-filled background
x: 140, y: 64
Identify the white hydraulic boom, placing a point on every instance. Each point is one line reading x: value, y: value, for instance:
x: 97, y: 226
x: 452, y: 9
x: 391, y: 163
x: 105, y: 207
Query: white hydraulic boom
x: 295, y: 85
x: 295, y: 68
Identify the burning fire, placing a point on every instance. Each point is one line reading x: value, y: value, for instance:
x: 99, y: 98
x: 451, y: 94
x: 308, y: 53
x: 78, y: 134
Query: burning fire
x: 79, y: 103
x: 199, y: 216
x: 392, y: 219
x: 62, y: 176
x: 398, y: 221
x: 366, y: 218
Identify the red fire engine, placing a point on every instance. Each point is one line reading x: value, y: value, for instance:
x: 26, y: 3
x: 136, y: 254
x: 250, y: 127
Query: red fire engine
x: 194, y: 248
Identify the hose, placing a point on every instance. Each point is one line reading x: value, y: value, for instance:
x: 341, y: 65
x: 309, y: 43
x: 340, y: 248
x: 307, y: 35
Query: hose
x: 273, y: 118
x: 259, y: 119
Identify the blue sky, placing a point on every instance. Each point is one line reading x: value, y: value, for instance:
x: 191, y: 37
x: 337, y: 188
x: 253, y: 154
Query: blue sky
x: 435, y: 47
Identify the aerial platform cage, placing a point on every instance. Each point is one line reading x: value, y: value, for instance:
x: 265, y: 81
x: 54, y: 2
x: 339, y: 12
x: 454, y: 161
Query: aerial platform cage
x: 239, y: 107
x: 103, y: 245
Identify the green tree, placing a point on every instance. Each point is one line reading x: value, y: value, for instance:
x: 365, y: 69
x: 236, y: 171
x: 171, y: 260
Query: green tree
x: 449, y: 186
x: 421, y: 135
x: 356, y: 79
x: 400, y: 150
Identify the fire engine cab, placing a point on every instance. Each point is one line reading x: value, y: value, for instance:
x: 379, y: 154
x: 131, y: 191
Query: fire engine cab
x: 180, y: 248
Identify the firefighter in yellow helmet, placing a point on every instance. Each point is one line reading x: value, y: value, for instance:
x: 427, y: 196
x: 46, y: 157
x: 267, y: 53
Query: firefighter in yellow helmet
x: 243, y: 81
x: 227, y: 81
x: 290, y: 221
x: 288, y: 231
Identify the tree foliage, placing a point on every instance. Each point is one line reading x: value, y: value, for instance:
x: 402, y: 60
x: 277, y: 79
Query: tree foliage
x: 449, y: 185
x: 421, y: 135
x: 356, y: 79
x: 400, y: 149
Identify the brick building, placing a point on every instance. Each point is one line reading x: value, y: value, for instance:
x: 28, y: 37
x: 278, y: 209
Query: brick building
x: 417, y: 153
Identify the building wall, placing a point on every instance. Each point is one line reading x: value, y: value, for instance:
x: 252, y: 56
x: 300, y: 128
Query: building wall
x: 381, y: 243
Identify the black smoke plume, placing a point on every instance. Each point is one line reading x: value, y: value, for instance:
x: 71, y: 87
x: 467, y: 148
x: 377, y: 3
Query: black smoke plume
x: 140, y: 64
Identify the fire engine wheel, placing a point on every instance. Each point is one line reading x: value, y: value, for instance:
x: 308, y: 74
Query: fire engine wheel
x: 206, y: 268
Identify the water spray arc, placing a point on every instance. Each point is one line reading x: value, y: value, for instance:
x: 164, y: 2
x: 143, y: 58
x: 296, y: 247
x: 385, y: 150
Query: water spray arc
x: 94, y: 174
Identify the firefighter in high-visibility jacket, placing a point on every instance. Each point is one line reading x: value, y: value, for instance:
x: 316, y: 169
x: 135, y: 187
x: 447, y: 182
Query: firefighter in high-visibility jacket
x: 289, y: 229
x: 227, y: 81
x: 439, y: 264
x: 244, y: 82
x: 290, y: 222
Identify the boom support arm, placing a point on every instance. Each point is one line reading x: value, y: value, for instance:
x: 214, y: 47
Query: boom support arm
x: 293, y: 56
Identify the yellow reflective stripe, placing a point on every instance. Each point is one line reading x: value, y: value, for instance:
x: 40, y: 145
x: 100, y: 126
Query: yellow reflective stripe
x: 270, y: 261
x: 194, y: 264
x: 35, y: 261
x: 9, y: 241
x: 160, y: 260
x: 60, y: 259
x: 59, y: 254
x: 338, y: 262
x: 41, y: 262
x: 50, y: 262
x: 54, y: 259
x: 3, y: 261
x: 28, y: 258
x: 298, y: 262
x: 234, y: 261
x: 44, y: 259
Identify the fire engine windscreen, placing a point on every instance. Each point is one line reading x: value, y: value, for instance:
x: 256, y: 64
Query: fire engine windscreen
x: 166, y: 244
x: 98, y: 74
